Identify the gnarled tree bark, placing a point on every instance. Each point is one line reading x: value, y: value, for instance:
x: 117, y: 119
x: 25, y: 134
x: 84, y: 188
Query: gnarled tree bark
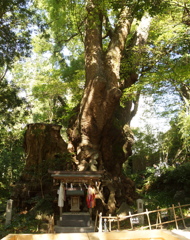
x: 95, y: 137
x: 98, y: 137
x: 45, y: 149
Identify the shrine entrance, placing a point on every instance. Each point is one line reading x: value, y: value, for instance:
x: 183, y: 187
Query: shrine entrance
x: 76, y: 199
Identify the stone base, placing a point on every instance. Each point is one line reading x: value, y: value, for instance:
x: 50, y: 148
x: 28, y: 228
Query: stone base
x: 75, y: 219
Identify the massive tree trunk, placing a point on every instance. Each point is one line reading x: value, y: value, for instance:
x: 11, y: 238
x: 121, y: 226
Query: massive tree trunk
x: 45, y: 149
x: 43, y: 145
x: 94, y: 135
x: 98, y: 137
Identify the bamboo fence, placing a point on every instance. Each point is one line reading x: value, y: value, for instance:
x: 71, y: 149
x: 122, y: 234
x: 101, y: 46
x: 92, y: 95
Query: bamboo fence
x: 162, y: 216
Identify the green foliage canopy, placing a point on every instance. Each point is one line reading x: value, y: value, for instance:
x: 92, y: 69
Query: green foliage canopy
x: 15, y: 18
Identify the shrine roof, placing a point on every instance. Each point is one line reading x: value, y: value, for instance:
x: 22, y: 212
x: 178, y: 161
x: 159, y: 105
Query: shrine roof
x: 77, y: 176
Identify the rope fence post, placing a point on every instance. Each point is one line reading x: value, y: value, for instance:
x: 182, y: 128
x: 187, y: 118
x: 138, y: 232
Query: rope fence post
x: 175, y: 216
x: 158, y: 220
x: 182, y: 215
x: 100, y: 223
x: 147, y: 213
x: 105, y: 225
x: 131, y: 220
x: 118, y: 225
x: 109, y: 222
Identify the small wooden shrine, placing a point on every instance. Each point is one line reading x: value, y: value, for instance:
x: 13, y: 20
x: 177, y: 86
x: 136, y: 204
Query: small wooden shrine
x: 76, y: 182
x: 75, y: 213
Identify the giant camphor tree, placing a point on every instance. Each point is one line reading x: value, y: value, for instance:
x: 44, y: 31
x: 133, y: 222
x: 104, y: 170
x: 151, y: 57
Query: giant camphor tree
x: 113, y: 35
x: 99, y: 133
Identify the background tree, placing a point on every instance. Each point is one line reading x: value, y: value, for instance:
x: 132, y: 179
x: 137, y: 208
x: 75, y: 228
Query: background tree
x: 165, y: 77
x: 13, y: 112
x: 146, y: 151
x: 15, y: 16
x: 11, y: 160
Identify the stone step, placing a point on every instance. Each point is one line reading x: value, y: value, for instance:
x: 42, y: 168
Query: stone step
x: 59, y: 229
x: 73, y: 223
x: 74, y: 220
x: 77, y: 217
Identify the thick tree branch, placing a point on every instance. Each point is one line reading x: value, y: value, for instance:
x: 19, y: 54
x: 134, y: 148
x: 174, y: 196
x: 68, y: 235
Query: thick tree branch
x: 130, y: 75
x: 93, y: 42
x: 117, y: 44
x: 121, y: 31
